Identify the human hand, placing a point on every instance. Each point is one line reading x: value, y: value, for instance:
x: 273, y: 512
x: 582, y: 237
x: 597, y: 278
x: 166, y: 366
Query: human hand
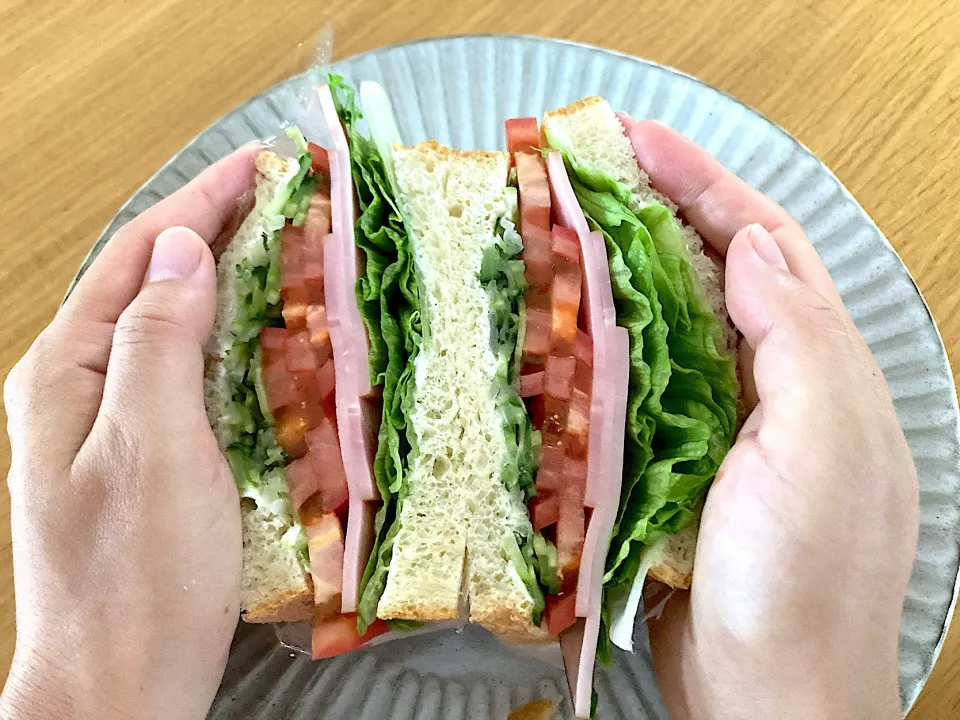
x: 810, y: 528
x: 125, y: 516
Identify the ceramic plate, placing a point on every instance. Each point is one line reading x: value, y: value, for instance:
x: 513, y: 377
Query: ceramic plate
x: 459, y: 91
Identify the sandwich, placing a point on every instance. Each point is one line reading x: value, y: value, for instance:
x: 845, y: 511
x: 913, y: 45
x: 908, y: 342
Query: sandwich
x: 466, y: 385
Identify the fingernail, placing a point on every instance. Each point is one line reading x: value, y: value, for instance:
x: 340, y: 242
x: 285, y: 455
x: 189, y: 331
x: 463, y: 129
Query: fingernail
x: 766, y: 247
x: 176, y: 254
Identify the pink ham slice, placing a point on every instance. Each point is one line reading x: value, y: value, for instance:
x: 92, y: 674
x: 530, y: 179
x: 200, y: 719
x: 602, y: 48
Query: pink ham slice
x: 357, y: 405
x: 601, y: 318
x: 608, y: 407
x: 579, y: 644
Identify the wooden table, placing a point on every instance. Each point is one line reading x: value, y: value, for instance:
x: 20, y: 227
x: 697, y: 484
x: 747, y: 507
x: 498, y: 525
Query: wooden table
x: 97, y: 95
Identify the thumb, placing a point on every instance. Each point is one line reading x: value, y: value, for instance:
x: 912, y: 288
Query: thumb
x: 807, y: 353
x: 156, y: 361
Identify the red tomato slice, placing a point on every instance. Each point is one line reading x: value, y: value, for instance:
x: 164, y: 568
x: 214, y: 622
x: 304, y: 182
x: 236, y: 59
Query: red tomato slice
x: 321, y: 161
x: 575, y: 471
x: 273, y: 338
x: 324, y: 454
x: 534, y: 191
x: 583, y: 349
x: 291, y: 430
x: 293, y: 290
x: 578, y: 417
x: 530, y: 385
x: 312, y: 279
x: 536, y: 339
x: 554, y: 417
x: 550, y: 482
x: 326, y: 380
x: 300, y: 355
x: 576, y: 446
x: 536, y: 411
x: 544, y: 511
x: 560, y: 612
x: 558, y: 376
x: 308, y: 391
x: 552, y: 452
x: 293, y: 240
x: 319, y: 332
x: 538, y: 269
x: 280, y: 386
x: 570, y: 534
x: 317, y: 224
x: 325, y: 546
x: 538, y: 238
x: 565, y: 245
x: 523, y: 135
x: 295, y: 314
x: 338, y: 635
x: 302, y: 482
x: 565, y: 304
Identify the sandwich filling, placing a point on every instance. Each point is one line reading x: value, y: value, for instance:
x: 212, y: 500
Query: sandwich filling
x: 441, y: 295
x: 255, y: 457
x: 278, y: 427
x: 388, y: 295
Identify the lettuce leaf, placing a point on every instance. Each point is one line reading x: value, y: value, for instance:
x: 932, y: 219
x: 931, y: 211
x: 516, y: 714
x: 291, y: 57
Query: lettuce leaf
x: 388, y: 296
x: 682, y: 402
x: 502, y: 275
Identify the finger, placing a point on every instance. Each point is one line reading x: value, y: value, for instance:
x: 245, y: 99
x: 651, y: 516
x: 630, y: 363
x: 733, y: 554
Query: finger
x: 155, y: 376
x: 808, y: 355
x: 209, y: 205
x: 719, y: 204
x: 63, y: 372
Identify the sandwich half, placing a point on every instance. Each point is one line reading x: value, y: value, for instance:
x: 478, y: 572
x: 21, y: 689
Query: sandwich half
x: 677, y: 414
x: 271, y: 395
x: 438, y: 295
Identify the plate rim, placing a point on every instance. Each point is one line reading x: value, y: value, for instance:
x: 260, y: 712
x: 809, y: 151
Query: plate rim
x: 109, y: 229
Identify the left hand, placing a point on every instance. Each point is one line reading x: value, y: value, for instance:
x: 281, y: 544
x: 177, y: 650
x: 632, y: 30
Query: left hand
x: 124, y: 514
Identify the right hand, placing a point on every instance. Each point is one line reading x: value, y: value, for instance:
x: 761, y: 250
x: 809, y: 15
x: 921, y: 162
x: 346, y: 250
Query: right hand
x: 810, y: 529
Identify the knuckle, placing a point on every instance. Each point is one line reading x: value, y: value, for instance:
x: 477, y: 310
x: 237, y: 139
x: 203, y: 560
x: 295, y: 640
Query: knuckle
x: 819, y: 321
x: 24, y: 377
x: 146, y: 322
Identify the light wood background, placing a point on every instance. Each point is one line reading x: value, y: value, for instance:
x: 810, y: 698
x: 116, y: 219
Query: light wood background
x: 96, y: 94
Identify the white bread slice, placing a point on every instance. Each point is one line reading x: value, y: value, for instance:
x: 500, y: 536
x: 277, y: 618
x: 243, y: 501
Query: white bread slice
x: 593, y: 132
x: 275, y: 587
x: 452, y: 523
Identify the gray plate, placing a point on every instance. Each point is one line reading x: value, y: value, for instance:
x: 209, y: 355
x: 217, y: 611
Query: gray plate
x: 459, y: 91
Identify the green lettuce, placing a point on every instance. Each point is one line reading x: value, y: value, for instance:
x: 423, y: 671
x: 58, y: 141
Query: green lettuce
x: 682, y: 397
x: 502, y: 275
x: 388, y: 296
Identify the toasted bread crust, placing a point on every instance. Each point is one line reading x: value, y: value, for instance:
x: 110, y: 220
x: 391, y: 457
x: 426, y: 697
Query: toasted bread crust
x: 418, y: 611
x: 574, y: 108
x: 446, y: 153
x: 513, y: 626
x: 669, y: 575
x: 285, y: 607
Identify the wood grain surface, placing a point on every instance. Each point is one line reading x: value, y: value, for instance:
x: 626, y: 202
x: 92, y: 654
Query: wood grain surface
x: 97, y: 95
